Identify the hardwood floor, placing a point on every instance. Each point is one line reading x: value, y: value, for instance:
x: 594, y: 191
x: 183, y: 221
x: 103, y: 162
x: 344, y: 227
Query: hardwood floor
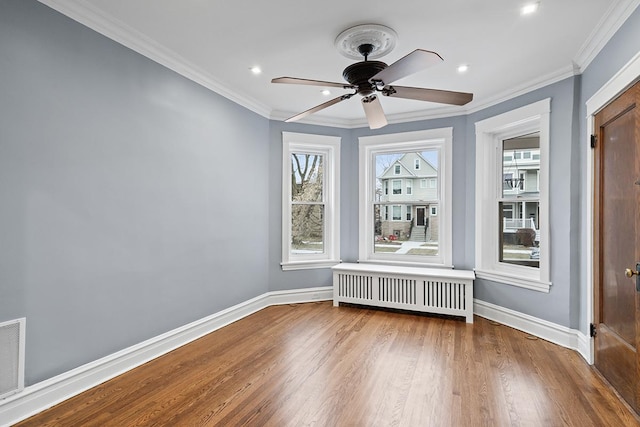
x: 317, y: 365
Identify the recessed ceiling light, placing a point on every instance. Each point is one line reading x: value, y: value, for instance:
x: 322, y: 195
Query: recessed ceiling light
x: 256, y: 70
x: 462, y: 68
x: 326, y: 92
x: 529, y: 8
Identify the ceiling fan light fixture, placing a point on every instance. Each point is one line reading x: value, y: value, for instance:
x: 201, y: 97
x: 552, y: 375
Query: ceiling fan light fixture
x: 463, y: 68
x: 381, y: 38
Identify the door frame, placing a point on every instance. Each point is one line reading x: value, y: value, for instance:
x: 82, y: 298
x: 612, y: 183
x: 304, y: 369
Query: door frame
x: 628, y: 75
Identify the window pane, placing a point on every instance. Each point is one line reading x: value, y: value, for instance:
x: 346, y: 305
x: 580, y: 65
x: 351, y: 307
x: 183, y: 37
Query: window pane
x: 520, y: 166
x: 519, y: 235
x: 519, y: 231
x: 397, y: 215
x: 307, y: 229
x: 306, y: 177
x: 405, y: 226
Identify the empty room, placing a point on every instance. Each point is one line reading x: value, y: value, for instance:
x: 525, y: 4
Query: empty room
x: 319, y: 214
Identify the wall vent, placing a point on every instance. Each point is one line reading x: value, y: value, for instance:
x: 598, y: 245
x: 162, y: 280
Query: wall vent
x: 12, y: 335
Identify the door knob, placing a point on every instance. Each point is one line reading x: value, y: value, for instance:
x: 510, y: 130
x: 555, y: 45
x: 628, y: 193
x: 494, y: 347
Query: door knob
x: 630, y: 273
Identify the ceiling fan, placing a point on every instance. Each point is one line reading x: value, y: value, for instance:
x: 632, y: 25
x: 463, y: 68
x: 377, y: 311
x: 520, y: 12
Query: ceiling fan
x: 367, y: 78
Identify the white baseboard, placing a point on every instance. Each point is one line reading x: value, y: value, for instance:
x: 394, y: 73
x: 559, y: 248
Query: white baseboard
x: 38, y: 397
x: 557, y: 334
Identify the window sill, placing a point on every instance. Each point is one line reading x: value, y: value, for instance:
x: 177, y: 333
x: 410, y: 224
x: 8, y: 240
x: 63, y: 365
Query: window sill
x: 405, y: 263
x: 308, y: 265
x: 513, y: 280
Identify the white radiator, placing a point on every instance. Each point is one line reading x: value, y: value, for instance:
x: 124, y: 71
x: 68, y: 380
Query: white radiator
x: 431, y: 290
x: 12, y: 335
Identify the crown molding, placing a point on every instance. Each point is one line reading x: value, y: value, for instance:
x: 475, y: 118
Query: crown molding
x: 611, y: 21
x: 542, y: 81
x: 121, y: 33
x: 118, y: 31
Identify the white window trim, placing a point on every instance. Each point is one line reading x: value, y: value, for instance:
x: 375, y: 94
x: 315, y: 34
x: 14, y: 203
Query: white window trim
x: 441, y: 139
x: 329, y: 146
x: 489, y: 136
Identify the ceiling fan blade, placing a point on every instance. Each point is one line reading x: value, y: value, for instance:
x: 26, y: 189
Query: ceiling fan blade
x: 319, y: 107
x: 373, y: 110
x: 431, y: 95
x: 297, y: 81
x: 416, y: 61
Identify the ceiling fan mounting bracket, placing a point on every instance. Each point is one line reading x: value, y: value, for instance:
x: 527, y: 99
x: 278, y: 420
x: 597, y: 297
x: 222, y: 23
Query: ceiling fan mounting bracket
x: 381, y: 38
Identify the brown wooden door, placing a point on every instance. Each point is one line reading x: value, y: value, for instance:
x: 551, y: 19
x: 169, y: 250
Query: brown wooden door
x: 617, y: 244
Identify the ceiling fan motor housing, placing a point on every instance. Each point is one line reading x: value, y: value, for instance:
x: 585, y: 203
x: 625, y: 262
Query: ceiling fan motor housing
x: 358, y: 74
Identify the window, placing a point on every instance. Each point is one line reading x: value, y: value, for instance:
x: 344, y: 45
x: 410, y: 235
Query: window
x: 512, y: 230
x: 386, y: 241
x: 310, y: 194
x: 416, y: 164
x: 434, y: 211
x: 397, y: 213
x: 409, y: 187
x: 396, y: 170
x: 397, y: 186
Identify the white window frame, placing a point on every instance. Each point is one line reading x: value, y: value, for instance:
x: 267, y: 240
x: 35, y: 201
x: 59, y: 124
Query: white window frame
x: 329, y: 147
x: 416, y: 164
x: 489, y: 136
x: 433, y: 211
x: 369, y: 146
x: 408, y: 186
x: 395, y: 218
x: 393, y: 187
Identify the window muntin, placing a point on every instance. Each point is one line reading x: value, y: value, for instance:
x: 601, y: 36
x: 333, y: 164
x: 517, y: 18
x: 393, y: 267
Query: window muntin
x: 384, y: 236
x: 310, y: 215
x: 523, y: 257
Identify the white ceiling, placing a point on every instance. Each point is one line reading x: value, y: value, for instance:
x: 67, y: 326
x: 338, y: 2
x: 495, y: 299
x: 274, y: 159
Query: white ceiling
x: 215, y: 43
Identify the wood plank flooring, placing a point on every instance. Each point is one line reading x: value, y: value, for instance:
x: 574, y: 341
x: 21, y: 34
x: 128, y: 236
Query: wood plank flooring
x: 318, y: 365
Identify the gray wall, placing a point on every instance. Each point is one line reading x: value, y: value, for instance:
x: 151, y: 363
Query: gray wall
x: 123, y: 214
x: 556, y: 305
x: 622, y: 47
x: 296, y: 279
